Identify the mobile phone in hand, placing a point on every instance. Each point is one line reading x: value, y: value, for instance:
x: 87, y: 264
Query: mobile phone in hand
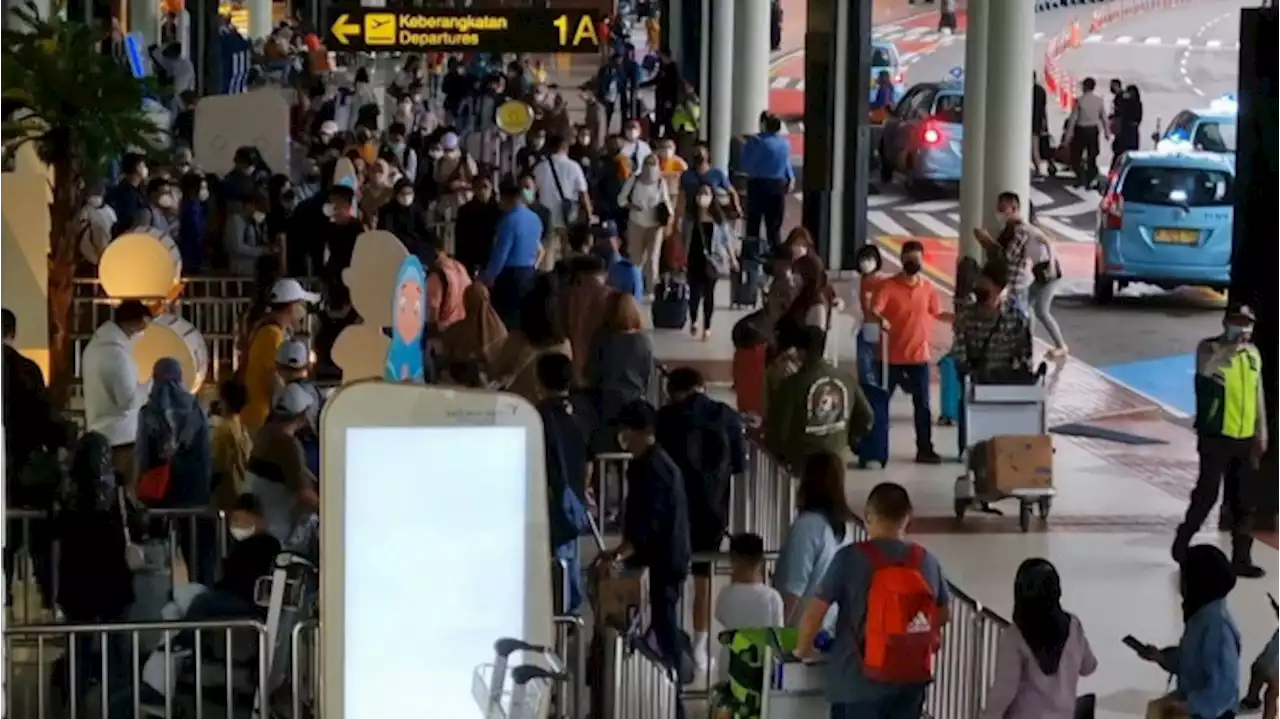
x: 1133, y: 643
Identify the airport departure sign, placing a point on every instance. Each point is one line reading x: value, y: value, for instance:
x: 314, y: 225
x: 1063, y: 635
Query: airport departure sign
x: 496, y: 30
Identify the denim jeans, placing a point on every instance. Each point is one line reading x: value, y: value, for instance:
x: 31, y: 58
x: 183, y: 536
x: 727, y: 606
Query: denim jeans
x: 868, y: 361
x: 914, y: 380
x: 906, y: 703
x: 569, y: 557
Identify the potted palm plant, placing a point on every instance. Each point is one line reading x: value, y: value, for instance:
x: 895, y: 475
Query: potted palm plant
x: 81, y: 108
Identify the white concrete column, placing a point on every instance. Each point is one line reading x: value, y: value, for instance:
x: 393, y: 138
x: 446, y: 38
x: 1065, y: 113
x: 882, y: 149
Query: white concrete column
x: 1011, y: 50
x: 751, y: 62
x: 673, y: 29
x: 720, y: 107
x: 144, y: 18
x: 975, y: 128
x: 260, y: 20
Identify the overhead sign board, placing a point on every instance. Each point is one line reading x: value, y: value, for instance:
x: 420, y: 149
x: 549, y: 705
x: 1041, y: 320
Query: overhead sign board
x: 495, y: 30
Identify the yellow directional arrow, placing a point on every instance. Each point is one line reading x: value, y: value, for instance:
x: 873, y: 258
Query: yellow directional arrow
x: 343, y: 29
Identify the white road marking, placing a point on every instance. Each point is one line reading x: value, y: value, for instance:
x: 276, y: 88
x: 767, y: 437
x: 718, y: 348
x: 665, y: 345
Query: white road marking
x: 1213, y: 44
x: 1151, y: 41
x: 1040, y: 198
x: 908, y: 58
x: 1183, y: 41
x: 1090, y: 39
x: 1198, y: 91
x: 1188, y: 80
x: 1124, y: 40
x: 933, y: 224
x: 881, y: 200
x: 1083, y: 193
x: 1038, y: 36
x: 1067, y: 232
x: 1077, y: 208
x: 800, y: 85
x: 954, y: 217
x: 780, y: 82
x: 886, y: 224
x: 916, y: 32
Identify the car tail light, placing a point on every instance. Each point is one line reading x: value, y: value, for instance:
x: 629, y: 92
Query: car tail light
x: 1112, y: 211
x: 932, y: 135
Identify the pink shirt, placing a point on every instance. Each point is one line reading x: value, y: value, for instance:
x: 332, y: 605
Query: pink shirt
x: 1022, y: 691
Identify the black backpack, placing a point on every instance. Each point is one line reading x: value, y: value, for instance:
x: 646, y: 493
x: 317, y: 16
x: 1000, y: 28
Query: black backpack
x: 706, y: 450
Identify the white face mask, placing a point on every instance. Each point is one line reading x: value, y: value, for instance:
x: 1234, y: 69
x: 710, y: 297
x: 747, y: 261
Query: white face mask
x: 203, y: 194
x: 259, y: 217
x: 867, y: 266
x: 1001, y: 218
x: 165, y: 202
x: 435, y: 153
x: 144, y: 173
x: 327, y: 209
x: 632, y: 135
x: 242, y: 533
x: 405, y: 200
x: 95, y: 201
x: 704, y: 201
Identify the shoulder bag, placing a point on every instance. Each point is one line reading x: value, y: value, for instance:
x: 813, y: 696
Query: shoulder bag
x: 568, y: 208
x: 134, y: 557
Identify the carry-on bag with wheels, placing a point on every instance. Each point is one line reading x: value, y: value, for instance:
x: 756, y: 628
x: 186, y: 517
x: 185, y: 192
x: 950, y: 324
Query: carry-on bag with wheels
x: 949, y: 391
x: 874, y: 446
x: 670, y: 304
x: 744, y: 285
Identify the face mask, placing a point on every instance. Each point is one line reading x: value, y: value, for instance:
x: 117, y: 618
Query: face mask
x: 327, y: 209
x: 435, y: 153
x: 866, y: 267
x: 405, y: 200
x: 911, y: 267
x: 165, y: 202
x: 704, y: 201
x: 259, y: 217
x: 1235, y: 332
x: 95, y: 201
x: 529, y: 194
x: 143, y: 173
x: 632, y: 135
x: 1001, y: 218
x: 584, y: 139
x: 203, y: 194
x: 242, y: 533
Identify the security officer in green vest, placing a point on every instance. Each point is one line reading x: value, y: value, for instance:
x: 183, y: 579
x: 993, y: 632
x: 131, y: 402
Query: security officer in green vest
x: 1231, y: 426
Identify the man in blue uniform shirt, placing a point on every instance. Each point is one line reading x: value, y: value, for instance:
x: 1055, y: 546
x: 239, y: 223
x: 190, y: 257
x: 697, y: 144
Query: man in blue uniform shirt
x: 513, y: 264
x: 624, y: 276
x: 766, y: 161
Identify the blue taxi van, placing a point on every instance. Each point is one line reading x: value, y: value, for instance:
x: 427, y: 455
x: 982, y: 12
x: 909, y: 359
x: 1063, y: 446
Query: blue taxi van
x: 923, y: 137
x: 885, y: 58
x: 1211, y: 129
x: 1165, y: 219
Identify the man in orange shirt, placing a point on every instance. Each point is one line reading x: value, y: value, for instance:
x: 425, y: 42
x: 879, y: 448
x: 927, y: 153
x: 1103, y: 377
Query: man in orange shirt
x: 906, y: 305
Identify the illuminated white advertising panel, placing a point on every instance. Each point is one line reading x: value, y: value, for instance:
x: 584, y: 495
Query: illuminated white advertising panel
x: 434, y: 545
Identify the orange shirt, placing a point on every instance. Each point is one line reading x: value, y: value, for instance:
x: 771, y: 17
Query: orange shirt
x: 910, y: 307
x: 867, y: 286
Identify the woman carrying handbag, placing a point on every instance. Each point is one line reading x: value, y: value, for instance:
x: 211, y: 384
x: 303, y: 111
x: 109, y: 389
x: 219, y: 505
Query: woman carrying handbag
x: 1046, y: 276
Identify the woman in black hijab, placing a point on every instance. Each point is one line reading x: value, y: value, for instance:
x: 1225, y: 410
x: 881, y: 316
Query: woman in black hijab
x: 1206, y: 662
x: 1040, y: 659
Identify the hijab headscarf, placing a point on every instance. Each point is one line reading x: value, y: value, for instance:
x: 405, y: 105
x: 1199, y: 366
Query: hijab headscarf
x: 1206, y: 577
x: 1038, y: 613
x: 172, y: 415
x: 479, y: 335
x: 93, y: 478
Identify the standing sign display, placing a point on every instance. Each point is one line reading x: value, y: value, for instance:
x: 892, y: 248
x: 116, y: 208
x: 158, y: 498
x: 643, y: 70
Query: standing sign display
x: 408, y: 323
x: 434, y: 544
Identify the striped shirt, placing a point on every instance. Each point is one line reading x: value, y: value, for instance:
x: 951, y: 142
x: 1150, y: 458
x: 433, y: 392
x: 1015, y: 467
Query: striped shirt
x: 991, y: 341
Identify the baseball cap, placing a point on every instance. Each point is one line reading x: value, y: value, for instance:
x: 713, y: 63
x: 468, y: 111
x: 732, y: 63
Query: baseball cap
x: 289, y: 290
x: 293, y: 400
x: 293, y: 354
x: 328, y: 127
x: 1241, y: 313
x: 449, y: 141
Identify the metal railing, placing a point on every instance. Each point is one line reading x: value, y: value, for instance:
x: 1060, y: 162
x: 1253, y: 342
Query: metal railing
x: 87, y: 670
x: 32, y: 553
x: 637, y: 684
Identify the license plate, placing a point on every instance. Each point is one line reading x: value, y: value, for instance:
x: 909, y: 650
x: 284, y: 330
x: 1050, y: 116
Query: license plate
x: 1177, y: 236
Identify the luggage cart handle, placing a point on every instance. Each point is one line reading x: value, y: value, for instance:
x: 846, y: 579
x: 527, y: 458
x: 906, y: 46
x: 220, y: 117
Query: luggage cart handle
x: 505, y: 647
x: 526, y: 673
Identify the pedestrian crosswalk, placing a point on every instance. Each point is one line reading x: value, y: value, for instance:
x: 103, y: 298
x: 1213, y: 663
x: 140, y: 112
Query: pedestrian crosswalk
x: 1067, y: 212
x: 917, y: 34
x: 1157, y: 41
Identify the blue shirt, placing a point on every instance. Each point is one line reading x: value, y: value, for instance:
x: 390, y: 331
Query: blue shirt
x: 1209, y: 661
x: 519, y: 240
x: 806, y: 554
x: 767, y: 156
x: 625, y: 277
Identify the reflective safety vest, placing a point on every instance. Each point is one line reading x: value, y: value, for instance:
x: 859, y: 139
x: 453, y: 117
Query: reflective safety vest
x: 1227, y: 395
x: 686, y: 116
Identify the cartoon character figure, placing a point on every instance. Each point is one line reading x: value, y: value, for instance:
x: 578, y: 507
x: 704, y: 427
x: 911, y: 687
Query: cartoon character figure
x: 361, y: 349
x: 827, y: 400
x: 408, y: 322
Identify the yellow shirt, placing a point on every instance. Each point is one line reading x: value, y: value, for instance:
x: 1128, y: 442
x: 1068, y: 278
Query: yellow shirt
x: 260, y: 375
x: 231, y: 446
x: 675, y: 163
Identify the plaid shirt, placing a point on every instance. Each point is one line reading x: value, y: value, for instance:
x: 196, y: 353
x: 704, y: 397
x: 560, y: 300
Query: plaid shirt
x: 989, y: 341
x: 1015, y: 239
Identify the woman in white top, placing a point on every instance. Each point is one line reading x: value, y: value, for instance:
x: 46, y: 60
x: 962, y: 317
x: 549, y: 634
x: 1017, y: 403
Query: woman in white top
x: 647, y: 197
x: 1046, y: 272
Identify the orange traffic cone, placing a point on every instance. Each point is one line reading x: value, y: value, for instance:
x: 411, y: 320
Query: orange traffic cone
x: 1075, y: 33
x: 1050, y: 82
x: 1095, y: 23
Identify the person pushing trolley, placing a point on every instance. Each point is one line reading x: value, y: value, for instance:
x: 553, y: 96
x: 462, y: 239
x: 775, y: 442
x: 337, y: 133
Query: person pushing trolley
x: 1231, y: 429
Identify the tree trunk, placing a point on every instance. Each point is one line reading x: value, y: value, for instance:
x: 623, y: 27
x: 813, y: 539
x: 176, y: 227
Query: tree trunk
x: 63, y: 240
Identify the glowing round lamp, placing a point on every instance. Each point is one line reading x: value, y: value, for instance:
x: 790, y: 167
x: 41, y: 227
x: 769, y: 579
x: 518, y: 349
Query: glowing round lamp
x: 142, y: 264
x: 172, y: 336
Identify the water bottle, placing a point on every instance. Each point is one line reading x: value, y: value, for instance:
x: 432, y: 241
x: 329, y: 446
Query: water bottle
x: 824, y: 641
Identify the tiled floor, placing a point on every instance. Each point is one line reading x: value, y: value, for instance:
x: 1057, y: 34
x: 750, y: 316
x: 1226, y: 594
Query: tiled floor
x: 1108, y: 533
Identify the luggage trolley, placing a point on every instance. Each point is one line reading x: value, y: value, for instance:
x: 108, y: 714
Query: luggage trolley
x: 994, y: 410
x: 531, y: 684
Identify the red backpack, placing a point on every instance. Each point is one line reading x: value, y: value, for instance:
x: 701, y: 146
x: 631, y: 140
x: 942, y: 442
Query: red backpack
x: 901, y: 633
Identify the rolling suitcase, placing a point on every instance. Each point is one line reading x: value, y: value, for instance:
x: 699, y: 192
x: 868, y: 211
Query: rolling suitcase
x: 875, y: 446
x: 744, y: 285
x: 670, y: 304
x: 949, y: 389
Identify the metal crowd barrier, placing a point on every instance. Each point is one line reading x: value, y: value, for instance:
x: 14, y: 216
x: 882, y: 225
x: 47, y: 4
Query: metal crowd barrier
x: 637, y: 685
x: 30, y: 529
x: 51, y: 670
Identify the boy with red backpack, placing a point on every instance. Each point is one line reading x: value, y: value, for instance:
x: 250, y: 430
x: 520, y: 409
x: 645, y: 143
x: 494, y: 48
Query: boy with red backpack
x: 892, y: 601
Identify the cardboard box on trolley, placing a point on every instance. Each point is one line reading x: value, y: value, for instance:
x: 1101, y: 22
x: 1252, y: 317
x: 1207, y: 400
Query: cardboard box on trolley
x: 622, y: 596
x: 1016, y: 462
